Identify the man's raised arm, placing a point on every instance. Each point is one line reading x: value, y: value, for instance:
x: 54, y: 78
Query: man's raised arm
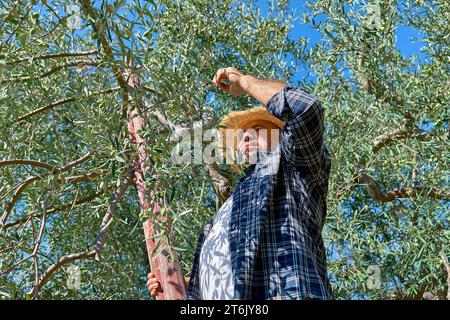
x: 261, y: 90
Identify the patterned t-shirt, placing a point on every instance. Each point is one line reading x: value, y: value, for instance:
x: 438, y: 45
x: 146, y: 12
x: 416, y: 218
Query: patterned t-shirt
x: 215, y: 273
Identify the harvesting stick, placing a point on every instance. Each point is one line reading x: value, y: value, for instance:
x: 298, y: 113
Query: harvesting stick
x: 169, y: 275
x: 171, y: 278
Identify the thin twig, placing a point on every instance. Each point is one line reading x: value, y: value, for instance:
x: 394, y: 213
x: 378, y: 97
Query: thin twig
x: 77, y: 63
x: 377, y: 194
x: 64, y: 101
x: 9, y: 15
x: 55, y: 55
x: 36, y: 248
x: 116, y: 197
x: 61, y: 262
x: 32, y: 179
x: 36, y: 245
x: 55, y: 210
x: 88, y: 253
x: 31, y: 4
x: 27, y: 45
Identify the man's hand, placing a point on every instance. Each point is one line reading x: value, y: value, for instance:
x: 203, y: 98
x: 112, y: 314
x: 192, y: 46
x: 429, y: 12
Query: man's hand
x: 154, y: 286
x: 238, y: 84
x: 233, y: 78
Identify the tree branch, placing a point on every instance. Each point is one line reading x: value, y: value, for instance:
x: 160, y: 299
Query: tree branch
x: 33, y: 163
x: 54, y: 267
x: 116, y: 197
x: 176, y: 129
x: 90, y: 12
x: 78, y: 63
x: 16, y: 197
x: 50, y: 167
x: 55, y: 210
x: 222, y: 184
x: 401, y: 133
x: 408, y: 192
x: 29, y: 180
x: 37, y: 245
x: 64, y: 101
x: 88, y: 253
x: 55, y: 55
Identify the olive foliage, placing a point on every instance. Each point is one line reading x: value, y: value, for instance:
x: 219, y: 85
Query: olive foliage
x: 66, y: 152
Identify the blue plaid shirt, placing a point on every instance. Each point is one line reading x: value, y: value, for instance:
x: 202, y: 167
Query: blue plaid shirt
x: 279, y: 209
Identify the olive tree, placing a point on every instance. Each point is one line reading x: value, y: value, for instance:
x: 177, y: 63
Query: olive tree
x: 71, y: 222
x: 76, y: 74
x: 387, y: 117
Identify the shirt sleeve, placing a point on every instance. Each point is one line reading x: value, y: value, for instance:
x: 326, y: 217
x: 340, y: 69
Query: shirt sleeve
x: 302, y: 135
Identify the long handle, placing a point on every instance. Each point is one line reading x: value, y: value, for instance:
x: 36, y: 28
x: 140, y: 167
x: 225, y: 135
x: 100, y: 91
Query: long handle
x: 168, y: 274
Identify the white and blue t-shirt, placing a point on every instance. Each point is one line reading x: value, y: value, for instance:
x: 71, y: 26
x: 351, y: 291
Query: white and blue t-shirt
x: 215, y: 273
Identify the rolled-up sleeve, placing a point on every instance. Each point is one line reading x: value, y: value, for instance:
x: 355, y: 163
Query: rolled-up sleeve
x: 302, y: 134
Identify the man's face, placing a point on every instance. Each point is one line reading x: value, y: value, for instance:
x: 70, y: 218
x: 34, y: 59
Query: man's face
x: 258, y: 138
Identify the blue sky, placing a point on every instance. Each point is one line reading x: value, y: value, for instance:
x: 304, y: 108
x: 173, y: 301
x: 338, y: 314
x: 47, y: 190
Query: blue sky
x: 405, y: 34
x: 408, y: 39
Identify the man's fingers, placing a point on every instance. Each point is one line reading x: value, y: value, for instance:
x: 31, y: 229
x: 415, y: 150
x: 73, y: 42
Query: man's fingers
x: 151, y: 281
x: 153, y: 286
x: 154, y: 293
x: 154, y: 289
x: 224, y: 87
x: 231, y: 74
x: 219, y: 76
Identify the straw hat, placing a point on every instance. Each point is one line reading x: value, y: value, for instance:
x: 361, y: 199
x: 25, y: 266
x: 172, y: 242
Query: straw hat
x: 247, y: 119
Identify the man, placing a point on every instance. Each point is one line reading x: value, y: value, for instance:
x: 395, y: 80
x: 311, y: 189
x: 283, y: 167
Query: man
x: 265, y: 241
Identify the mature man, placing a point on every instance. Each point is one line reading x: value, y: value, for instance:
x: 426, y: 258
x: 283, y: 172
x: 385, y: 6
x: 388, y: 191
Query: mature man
x: 265, y: 241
